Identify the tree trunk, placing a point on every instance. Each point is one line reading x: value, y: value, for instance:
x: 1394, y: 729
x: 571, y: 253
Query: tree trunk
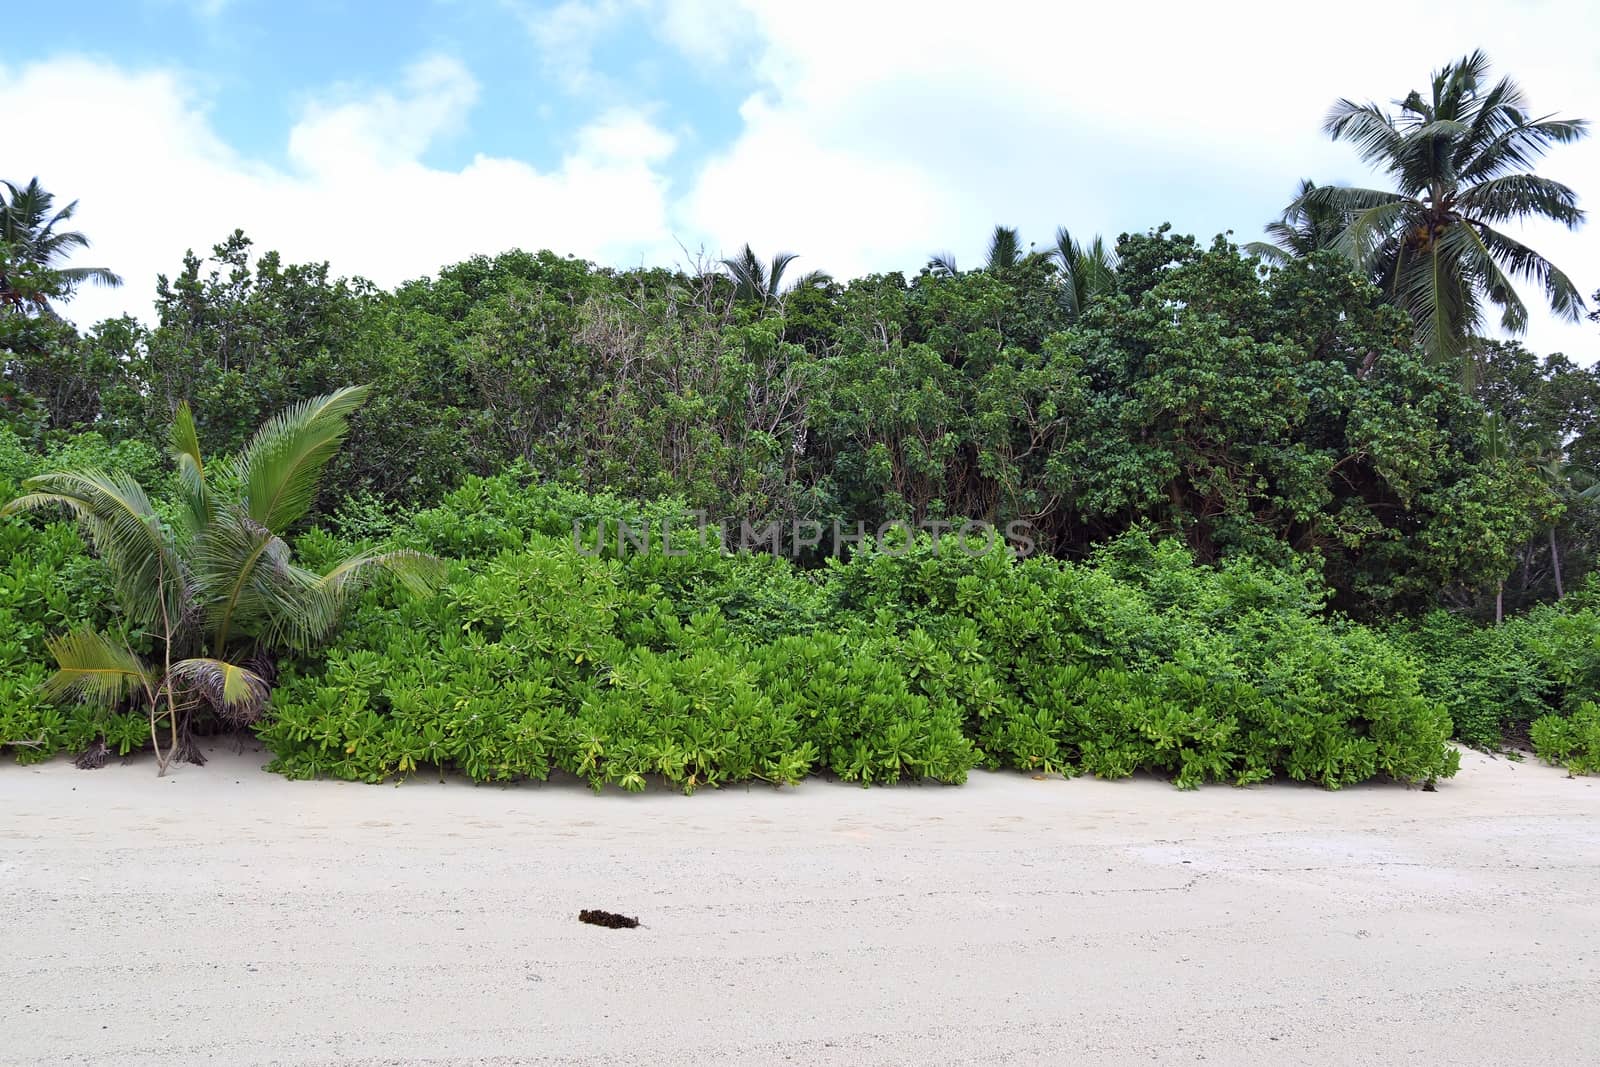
x: 1555, y: 563
x: 1499, y: 603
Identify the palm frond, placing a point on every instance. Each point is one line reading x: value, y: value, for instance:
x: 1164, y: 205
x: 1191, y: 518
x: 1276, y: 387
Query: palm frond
x: 243, y: 578
x: 125, y: 530
x: 1087, y: 272
x: 813, y: 279
x: 320, y: 600
x: 1513, y: 197
x: 1267, y: 252
x: 1374, y: 217
x: 238, y: 694
x: 282, y: 465
x: 1520, y: 145
x: 1005, y: 249
x: 780, y: 263
x: 185, y: 450
x: 1478, y: 264
x: 748, y: 274
x: 1429, y: 284
x: 94, y: 668
x: 1563, y: 297
x: 1492, y: 117
x: 101, y: 276
x: 1367, y: 127
x: 30, y: 225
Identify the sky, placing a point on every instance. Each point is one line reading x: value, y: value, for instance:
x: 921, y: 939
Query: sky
x: 393, y: 138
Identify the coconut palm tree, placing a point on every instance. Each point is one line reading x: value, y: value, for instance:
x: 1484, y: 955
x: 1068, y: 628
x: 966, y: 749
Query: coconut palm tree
x: 1459, y: 159
x: 756, y: 281
x: 1309, y: 224
x: 1004, y: 253
x: 1087, y: 272
x: 215, y: 587
x: 1005, y: 249
x: 30, y: 231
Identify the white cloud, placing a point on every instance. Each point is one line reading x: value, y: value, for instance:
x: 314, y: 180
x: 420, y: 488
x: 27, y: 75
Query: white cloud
x: 566, y: 35
x: 154, y: 178
x: 708, y: 32
x: 882, y: 131
x: 872, y: 134
x: 381, y: 129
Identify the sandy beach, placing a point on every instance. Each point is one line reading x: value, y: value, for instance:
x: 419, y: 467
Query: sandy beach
x: 223, y: 914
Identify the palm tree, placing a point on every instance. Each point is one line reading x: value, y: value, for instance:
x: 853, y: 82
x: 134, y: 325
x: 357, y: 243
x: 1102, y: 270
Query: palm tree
x: 1005, y: 249
x: 1087, y: 271
x: 1309, y: 224
x: 30, y: 233
x: 1573, y: 486
x: 812, y: 279
x: 1459, y: 160
x: 755, y: 281
x: 216, y: 589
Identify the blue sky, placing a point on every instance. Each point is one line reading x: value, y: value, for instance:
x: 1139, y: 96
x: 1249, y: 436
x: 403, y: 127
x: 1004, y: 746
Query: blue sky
x: 393, y: 138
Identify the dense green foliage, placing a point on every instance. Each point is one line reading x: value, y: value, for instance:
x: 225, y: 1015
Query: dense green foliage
x: 1249, y: 415
x: 1267, y: 497
x: 1499, y: 682
x: 1571, y: 741
x: 1276, y: 427
x: 908, y: 661
x: 48, y: 585
x: 208, y: 582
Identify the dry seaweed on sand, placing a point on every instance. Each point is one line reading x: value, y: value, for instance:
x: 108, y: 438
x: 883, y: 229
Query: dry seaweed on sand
x: 596, y: 917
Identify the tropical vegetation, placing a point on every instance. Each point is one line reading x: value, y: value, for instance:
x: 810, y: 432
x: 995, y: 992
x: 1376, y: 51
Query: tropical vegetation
x: 1272, y: 510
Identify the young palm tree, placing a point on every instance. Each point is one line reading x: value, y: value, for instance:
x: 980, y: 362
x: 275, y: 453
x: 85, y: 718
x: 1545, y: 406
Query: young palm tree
x: 215, y: 589
x: 1309, y: 224
x: 1087, y: 271
x: 1460, y: 162
x: 29, y: 232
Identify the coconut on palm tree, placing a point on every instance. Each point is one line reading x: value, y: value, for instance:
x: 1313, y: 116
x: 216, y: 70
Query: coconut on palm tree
x: 32, y: 234
x: 1460, y: 160
x: 209, y: 583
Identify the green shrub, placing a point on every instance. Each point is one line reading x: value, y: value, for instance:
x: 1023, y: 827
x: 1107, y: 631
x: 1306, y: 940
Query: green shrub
x: 1496, y: 681
x: 859, y: 709
x: 908, y: 661
x: 1142, y: 660
x: 1570, y: 741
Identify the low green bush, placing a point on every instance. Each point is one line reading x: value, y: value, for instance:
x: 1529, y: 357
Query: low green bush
x: 1142, y: 660
x: 1496, y: 681
x: 1570, y: 741
x: 908, y: 661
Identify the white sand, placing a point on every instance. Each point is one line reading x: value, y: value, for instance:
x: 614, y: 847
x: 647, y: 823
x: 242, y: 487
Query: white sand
x: 227, y: 915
